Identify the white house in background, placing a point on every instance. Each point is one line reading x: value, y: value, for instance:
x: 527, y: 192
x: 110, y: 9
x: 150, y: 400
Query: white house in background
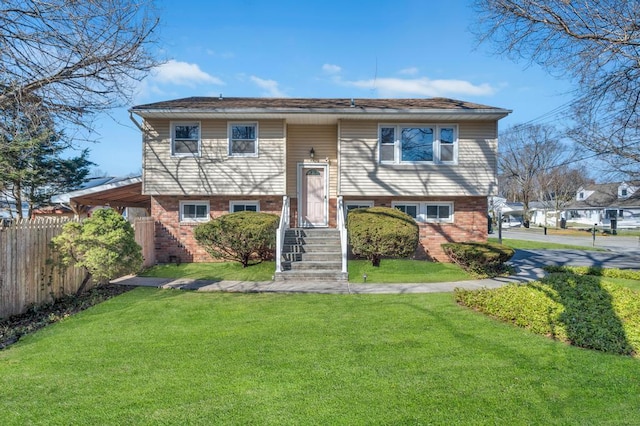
x: 512, y: 212
x: 600, y: 203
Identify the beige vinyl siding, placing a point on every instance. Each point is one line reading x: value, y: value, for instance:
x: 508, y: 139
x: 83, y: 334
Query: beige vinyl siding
x: 362, y: 175
x: 323, y: 140
x: 214, y: 172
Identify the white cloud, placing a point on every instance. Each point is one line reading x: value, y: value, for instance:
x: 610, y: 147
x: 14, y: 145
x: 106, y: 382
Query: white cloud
x: 331, y: 68
x: 183, y: 74
x: 270, y: 87
x: 393, y: 87
x: 409, y: 71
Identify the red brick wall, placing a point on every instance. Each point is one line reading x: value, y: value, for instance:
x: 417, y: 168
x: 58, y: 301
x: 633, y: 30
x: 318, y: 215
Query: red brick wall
x: 174, y: 241
x: 469, y: 223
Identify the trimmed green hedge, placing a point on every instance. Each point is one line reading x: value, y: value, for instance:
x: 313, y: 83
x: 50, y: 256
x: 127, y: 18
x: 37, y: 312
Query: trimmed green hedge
x: 486, y: 259
x: 586, y: 311
x: 241, y: 237
x: 629, y: 274
x: 378, y: 232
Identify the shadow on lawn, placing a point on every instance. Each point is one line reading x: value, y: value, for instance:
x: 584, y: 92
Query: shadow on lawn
x: 589, y: 317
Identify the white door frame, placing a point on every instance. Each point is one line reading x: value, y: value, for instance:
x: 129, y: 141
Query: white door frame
x: 301, y: 168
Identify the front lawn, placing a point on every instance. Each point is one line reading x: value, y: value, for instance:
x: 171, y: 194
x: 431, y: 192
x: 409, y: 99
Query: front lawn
x: 216, y: 271
x: 405, y: 271
x: 155, y: 356
x: 390, y: 271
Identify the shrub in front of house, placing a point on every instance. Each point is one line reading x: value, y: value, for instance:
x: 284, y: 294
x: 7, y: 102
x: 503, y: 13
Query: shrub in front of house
x: 485, y: 259
x: 379, y: 232
x: 586, y: 311
x: 103, y: 245
x: 243, y: 237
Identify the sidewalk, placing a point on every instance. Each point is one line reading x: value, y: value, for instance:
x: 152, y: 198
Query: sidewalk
x: 528, y: 272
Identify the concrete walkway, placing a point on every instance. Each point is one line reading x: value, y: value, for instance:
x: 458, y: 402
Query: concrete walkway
x: 526, y: 272
x: 528, y: 264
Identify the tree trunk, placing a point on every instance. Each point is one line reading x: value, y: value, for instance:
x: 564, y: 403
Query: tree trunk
x: 87, y: 278
x: 17, y: 194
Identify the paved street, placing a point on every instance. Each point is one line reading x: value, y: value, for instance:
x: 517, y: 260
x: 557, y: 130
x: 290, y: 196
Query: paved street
x: 612, y: 243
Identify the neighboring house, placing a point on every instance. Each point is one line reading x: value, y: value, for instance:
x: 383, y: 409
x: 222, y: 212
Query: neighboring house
x: 542, y: 215
x: 511, y: 212
x: 600, y: 203
x: 310, y: 160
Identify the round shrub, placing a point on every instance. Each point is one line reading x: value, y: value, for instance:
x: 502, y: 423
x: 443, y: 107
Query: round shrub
x: 240, y: 237
x: 379, y: 232
x: 479, y: 258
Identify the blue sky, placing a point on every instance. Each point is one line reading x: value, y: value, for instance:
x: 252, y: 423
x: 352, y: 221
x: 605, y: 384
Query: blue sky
x: 326, y: 48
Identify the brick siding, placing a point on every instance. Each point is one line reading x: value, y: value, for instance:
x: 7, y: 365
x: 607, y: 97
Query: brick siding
x: 174, y: 241
x: 470, y: 223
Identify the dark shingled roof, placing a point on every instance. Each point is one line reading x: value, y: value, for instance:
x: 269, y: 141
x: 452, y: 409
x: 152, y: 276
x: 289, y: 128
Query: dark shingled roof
x: 215, y: 103
x: 606, y: 195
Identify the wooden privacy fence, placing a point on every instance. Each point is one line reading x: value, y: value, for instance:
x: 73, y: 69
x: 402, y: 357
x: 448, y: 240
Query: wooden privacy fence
x: 145, y: 232
x: 27, y: 276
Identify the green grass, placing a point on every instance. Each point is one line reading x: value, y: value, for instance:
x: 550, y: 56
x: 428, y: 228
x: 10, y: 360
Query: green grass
x: 405, y: 271
x: 173, y: 357
x: 227, y: 271
x: 390, y: 271
x: 593, y: 308
x: 534, y: 245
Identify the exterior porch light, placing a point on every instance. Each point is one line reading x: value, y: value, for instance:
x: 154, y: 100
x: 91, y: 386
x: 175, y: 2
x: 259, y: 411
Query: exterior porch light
x: 312, y: 153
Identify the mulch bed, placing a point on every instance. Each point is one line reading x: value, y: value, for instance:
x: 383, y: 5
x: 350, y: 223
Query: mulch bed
x: 37, y: 317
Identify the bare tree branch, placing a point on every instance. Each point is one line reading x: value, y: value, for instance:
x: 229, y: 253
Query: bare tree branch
x: 72, y: 57
x: 596, y: 44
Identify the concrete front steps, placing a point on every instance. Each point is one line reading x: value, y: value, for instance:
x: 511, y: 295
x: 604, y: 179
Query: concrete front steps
x: 311, y: 254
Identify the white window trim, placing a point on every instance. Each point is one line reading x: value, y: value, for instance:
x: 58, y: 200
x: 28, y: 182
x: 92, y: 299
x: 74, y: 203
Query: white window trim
x: 173, y: 138
x: 234, y: 203
x: 397, y: 147
x: 195, y: 203
x: 240, y: 123
x: 450, y: 219
x: 409, y: 203
x: 421, y: 210
x: 368, y: 203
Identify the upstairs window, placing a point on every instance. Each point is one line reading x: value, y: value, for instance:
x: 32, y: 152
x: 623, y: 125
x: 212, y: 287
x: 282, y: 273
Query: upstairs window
x: 185, y: 139
x: 418, y: 144
x: 243, y: 139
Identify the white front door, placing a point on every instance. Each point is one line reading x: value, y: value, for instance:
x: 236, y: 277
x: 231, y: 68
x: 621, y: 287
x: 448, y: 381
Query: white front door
x: 313, y: 196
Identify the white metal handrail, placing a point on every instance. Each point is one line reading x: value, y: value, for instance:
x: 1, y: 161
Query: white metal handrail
x: 343, y: 233
x: 282, y: 228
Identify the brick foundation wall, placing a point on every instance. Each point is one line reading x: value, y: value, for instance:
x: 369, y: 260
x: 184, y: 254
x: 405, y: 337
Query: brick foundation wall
x: 469, y: 223
x: 174, y: 241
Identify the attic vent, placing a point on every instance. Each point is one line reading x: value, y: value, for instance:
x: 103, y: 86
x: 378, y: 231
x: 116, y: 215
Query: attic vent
x: 353, y: 103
